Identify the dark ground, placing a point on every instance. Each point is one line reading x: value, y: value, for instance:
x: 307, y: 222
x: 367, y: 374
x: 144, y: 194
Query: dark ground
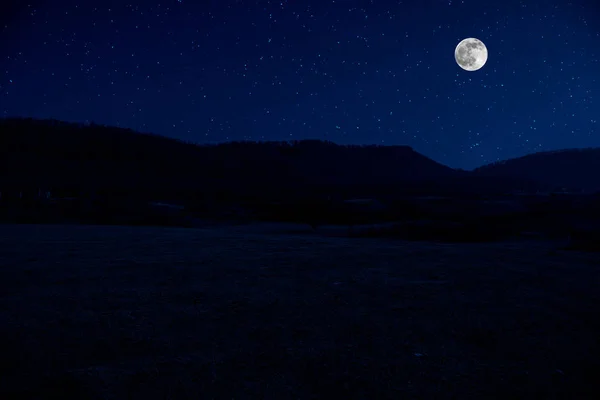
x: 246, y: 313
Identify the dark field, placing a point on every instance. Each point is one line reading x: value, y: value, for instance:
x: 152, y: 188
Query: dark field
x: 250, y: 313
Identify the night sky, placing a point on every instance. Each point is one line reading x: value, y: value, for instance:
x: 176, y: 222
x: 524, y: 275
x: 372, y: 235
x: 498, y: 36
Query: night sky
x: 349, y: 71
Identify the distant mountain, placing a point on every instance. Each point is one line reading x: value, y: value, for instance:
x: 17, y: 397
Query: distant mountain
x: 571, y: 169
x: 54, y: 153
x: 69, y: 157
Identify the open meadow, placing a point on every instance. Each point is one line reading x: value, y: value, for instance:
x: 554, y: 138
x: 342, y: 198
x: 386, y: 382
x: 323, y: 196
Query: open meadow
x: 253, y: 312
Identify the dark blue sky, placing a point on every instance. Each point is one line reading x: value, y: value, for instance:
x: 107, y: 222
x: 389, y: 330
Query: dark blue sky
x: 348, y: 71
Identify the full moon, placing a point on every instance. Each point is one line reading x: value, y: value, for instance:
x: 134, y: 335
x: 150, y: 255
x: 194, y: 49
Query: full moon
x: 471, y: 54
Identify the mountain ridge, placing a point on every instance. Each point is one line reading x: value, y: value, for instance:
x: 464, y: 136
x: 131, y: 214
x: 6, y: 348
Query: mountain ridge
x: 52, y: 152
x: 574, y: 169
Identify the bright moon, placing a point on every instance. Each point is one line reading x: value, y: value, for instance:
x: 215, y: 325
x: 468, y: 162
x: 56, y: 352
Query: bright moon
x: 471, y: 54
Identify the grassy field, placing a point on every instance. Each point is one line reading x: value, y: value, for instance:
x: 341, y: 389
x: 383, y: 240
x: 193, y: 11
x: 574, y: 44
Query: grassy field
x: 255, y: 313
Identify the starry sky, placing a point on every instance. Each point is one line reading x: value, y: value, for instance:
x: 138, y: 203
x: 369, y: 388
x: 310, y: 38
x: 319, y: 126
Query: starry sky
x: 348, y: 71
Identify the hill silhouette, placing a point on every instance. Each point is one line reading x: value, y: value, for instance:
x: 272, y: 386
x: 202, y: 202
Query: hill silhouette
x: 50, y: 153
x: 72, y: 158
x: 570, y: 169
